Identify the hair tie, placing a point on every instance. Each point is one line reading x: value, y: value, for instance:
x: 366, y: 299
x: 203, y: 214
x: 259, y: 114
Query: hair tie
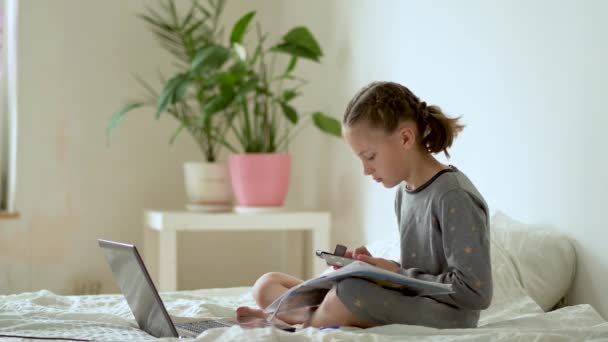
x: 422, y: 110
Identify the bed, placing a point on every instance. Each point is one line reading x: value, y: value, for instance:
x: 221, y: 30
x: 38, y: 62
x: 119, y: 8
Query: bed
x: 533, y: 268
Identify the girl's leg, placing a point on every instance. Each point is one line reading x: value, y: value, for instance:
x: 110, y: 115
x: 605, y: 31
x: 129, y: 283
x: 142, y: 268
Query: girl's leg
x: 271, y: 286
x: 333, y: 312
x: 266, y: 289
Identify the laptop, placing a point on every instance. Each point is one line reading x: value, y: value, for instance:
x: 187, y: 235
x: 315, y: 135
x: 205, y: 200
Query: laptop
x: 134, y: 281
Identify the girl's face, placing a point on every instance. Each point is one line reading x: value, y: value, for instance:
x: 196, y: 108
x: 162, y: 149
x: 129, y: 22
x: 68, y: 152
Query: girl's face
x: 384, y: 156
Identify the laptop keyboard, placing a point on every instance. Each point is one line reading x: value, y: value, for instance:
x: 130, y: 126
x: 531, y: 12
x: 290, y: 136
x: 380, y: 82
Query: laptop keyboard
x: 200, y: 326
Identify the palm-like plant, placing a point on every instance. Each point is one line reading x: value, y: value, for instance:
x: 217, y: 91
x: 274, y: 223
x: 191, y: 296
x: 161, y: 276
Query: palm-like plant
x: 219, y: 88
x: 190, y: 94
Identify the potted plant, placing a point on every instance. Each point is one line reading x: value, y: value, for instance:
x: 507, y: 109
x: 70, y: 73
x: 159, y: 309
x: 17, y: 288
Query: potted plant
x: 262, y: 117
x: 223, y: 92
x: 191, y: 95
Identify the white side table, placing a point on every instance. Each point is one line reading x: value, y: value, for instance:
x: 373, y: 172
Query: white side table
x: 168, y: 223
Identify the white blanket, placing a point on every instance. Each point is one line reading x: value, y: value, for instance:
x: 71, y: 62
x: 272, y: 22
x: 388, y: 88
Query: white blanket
x: 108, y: 318
x: 513, y: 315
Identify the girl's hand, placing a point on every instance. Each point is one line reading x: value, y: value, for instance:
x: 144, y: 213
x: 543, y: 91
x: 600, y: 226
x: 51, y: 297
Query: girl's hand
x: 379, y: 262
x: 361, y: 250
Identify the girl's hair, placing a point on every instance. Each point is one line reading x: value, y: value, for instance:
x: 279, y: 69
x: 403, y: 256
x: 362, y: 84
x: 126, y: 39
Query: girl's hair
x: 386, y: 104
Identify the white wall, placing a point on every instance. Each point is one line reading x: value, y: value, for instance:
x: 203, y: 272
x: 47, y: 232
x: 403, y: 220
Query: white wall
x: 528, y: 78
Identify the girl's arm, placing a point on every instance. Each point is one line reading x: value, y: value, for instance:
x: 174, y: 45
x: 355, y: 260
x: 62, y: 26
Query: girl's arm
x: 466, y: 244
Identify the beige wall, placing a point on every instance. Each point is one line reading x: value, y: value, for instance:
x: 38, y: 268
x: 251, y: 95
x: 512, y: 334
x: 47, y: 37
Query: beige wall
x: 76, y: 60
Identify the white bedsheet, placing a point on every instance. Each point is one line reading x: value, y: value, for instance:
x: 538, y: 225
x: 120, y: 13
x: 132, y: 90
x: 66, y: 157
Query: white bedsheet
x: 107, y: 317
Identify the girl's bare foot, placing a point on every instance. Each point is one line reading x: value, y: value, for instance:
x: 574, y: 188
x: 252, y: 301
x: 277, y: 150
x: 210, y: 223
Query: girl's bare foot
x: 250, y: 317
x: 245, y: 314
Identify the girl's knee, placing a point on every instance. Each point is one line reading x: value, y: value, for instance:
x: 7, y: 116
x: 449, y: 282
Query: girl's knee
x: 266, y: 281
x: 270, y: 277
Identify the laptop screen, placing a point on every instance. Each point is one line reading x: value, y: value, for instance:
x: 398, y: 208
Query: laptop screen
x: 136, y: 285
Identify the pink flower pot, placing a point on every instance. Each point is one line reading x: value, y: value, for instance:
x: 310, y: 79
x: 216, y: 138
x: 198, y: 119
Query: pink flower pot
x: 260, y: 179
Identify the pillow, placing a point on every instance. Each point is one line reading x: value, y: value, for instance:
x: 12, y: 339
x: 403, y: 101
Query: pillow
x: 526, y: 259
x: 544, y: 258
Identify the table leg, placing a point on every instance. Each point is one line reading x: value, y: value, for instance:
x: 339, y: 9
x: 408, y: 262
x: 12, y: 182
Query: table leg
x: 167, y: 261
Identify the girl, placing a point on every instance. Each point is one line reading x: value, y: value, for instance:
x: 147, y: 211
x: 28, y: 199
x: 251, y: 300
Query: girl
x: 443, y: 222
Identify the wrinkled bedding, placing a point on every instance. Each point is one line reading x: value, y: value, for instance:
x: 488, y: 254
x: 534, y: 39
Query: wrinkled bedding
x: 532, y: 269
x: 108, y: 318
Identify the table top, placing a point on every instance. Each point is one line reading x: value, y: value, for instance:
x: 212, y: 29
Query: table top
x: 191, y: 220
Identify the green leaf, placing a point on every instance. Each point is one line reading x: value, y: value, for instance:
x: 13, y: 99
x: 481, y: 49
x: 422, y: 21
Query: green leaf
x: 301, y: 36
x: 168, y: 94
x: 219, y: 103
x: 247, y: 87
x: 290, y: 112
x: 118, y: 116
x: 238, y: 31
x: 289, y: 94
x: 156, y: 22
x: 327, y: 124
x: 219, y: 8
x: 168, y: 38
x: 210, y: 57
x: 176, y: 133
x: 239, y: 69
x: 224, y: 78
x: 301, y: 43
x: 188, y: 17
x: 151, y: 91
x: 194, y: 26
x: 180, y: 90
x: 263, y: 90
x: 169, y: 7
x: 234, y: 75
x: 292, y: 64
x: 258, y: 49
x: 295, y: 51
x: 203, y: 10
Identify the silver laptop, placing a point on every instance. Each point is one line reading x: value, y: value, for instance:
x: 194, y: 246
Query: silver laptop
x: 134, y: 281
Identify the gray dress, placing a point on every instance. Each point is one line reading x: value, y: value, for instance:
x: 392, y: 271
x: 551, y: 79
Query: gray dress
x: 444, y: 233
